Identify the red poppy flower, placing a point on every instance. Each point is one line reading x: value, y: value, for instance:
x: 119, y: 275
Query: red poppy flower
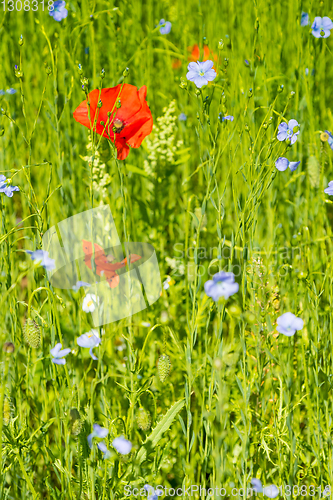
x: 127, y: 125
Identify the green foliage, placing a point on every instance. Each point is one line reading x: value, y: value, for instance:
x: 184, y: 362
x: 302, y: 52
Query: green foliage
x: 241, y: 401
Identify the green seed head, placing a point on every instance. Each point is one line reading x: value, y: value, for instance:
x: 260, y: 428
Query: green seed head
x: 143, y: 419
x: 31, y: 333
x: 7, y: 411
x: 163, y: 367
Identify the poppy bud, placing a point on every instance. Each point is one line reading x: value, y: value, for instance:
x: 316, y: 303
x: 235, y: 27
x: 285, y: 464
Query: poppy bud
x: 7, y: 411
x: 118, y: 104
x: 280, y: 89
x: 221, y: 44
x: 250, y: 93
x: 163, y: 367
x: 8, y: 347
x: 235, y: 311
x: 18, y: 72
x: 143, y: 419
x: 217, y: 364
x: 125, y: 72
x: 249, y: 317
x: 102, y: 123
x: 183, y: 83
x: 21, y: 42
x: 31, y: 333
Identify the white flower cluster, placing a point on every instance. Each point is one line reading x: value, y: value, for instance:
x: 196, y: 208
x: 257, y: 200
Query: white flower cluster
x: 162, y: 144
x: 100, y: 178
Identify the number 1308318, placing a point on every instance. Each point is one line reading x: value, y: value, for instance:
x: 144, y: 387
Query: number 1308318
x: 27, y: 5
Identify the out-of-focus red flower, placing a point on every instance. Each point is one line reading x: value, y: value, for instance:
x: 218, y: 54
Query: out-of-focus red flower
x: 127, y: 125
x: 195, y: 55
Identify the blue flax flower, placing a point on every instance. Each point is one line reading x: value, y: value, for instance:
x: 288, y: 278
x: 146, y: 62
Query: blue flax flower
x: 101, y: 433
x: 43, y: 258
x: 329, y: 189
x: 288, y: 323
x: 59, y: 11
x: 2, y: 92
x: 102, y: 446
x: 228, y: 117
x: 222, y: 285
x: 201, y: 73
x: 182, y: 117
x: 90, y: 340
x: 152, y: 493
x: 6, y: 188
x: 305, y: 19
x: 283, y: 163
x: 122, y: 445
x: 164, y: 30
x: 11, y: 91
x: 78, y: 285
x: 330, y: 139
x: 288, y: 131
x: 256, y: 485
x: 322, y: 27
x: 58, y: 354
x: 270, y: 491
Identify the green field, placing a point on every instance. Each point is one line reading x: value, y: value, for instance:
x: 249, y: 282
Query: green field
x: 240, y: 400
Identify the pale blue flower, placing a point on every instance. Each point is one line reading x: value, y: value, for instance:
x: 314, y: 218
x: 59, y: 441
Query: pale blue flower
x: 305, y: 19
x: 288, y: 323
x: 283, y: 163
x: 98, y: 431
x: 228, y: 117
x: 104, y: 450
x: 59, y: 11
x: 330, y: 139
x: 329, y: 189
x: 164, y: 30
x: 271, y: 491
x: 78, y: 285
x: 2, y: 92
x: 321, y: 27
x: 11, y: 91
x: 152, y: 493
x: 222, y: 285
x: 182, y: 117
x: 59, y: 354
x: 288, y: 131
x: 6, y: 188
x: 122, y: 445
x: 256, y: 485
x: 43, y: 258
x: 89, y: 340
x: 201, y: 73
